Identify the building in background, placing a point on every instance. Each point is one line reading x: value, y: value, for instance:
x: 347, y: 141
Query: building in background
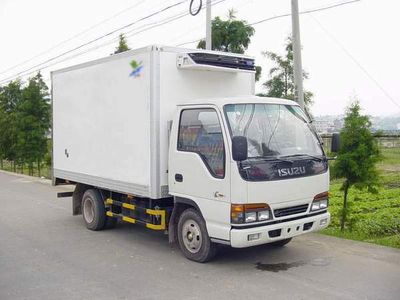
x: 328, y: 124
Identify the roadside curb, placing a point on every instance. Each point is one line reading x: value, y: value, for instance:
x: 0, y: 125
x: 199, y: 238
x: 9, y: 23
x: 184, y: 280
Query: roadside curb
x: 33, y: 178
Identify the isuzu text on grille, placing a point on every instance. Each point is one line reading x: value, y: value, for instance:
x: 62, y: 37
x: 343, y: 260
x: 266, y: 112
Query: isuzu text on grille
x: 291, y: 171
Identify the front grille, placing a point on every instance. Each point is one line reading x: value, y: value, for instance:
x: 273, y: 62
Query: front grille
x: 287, y: 211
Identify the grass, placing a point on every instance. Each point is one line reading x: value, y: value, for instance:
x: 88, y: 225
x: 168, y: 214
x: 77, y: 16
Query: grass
x: 372, y: 217
x: 391, y: 161
x: 44, y: 172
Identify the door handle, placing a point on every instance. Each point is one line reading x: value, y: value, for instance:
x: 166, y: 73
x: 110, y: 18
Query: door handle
x: 218, y: 195
x: 178, y: 177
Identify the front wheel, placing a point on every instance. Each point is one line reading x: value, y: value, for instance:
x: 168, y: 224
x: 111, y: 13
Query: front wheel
x: 193, y: 238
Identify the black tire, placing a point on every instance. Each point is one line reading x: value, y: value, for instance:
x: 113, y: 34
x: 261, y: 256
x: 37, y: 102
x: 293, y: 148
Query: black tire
x: 93, y: 210
x: 193, y: 238
x: 280, y: 243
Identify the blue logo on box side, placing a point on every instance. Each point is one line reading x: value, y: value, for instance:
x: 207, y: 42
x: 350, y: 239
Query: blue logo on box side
x: 137, y: 68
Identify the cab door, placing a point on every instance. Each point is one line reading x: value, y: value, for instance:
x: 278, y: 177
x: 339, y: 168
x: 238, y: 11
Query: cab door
x: 198, y: 165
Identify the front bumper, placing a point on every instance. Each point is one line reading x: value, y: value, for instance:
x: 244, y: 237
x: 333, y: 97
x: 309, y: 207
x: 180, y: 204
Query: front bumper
x: 275, y: 232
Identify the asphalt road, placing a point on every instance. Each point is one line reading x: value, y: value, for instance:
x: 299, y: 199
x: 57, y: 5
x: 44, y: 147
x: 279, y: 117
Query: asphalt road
x: 46, y: 253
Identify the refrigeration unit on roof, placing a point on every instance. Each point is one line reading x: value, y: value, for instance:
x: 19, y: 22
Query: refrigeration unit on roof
x: 215, y: 62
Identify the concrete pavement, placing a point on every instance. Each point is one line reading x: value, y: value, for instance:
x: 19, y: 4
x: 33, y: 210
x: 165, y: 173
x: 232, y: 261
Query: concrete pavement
x: 46, y: 253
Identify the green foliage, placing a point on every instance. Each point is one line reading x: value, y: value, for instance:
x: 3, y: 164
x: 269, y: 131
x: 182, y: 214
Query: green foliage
x: 258, y: 72
x: 10, y: 98
x: 281, y: 82
x: 231, y: 35
x: 357, y: 156
x: 33, y: 121
x: 372, y: 217
x: 391, y: 158
x: 358, y: 153
x: 24, y: 122
x: 122, y: 45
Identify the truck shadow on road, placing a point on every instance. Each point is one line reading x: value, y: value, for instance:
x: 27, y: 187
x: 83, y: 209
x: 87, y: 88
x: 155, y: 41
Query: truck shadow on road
x: 271, y: 258
x: 263, y: 258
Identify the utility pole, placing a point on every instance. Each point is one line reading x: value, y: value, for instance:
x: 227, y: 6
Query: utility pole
x: 208, y: 25
x: 298, y: 69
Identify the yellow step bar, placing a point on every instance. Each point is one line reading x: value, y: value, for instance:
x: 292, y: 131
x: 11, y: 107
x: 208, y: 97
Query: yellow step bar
x: 153, y: 212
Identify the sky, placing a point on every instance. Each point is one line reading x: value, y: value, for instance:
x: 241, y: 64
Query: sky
x: 350, y: 52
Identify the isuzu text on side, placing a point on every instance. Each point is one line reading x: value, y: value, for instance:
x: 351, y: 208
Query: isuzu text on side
x: 175, y: 140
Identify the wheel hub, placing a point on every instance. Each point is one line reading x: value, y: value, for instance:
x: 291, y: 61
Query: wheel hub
x: 192, y: 237
x: 88, y: 211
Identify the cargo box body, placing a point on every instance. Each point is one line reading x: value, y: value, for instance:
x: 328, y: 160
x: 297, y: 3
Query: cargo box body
x: 111, y: 117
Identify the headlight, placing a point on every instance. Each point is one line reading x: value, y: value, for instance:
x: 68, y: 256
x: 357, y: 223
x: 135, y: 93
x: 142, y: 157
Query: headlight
x: 249, y: 213
x: 315, y: 205
x: 264, y: 215
x: 323, y: 204
x: 250, y: 217
x: 320, y: 201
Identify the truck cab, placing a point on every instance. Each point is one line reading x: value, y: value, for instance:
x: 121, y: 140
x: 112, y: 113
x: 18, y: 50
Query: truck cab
x: 254, y: 169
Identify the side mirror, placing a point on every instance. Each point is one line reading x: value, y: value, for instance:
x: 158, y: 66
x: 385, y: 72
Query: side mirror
x: 239, y: 148
x: 335, y: 144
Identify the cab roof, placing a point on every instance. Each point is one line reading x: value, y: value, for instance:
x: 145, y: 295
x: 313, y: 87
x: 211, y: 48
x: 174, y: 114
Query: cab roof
x: 246, y: 99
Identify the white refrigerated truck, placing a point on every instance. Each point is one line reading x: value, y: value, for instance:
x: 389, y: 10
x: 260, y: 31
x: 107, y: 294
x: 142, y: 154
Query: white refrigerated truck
x: 175, y: 140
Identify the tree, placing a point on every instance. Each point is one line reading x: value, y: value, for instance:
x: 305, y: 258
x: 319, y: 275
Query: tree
x: 2, y: 125
x: 10, y: 98
x: 122, y: 45
x: 357, y: 156
x: 33, y: 122
x: 231, y: 35
x: 281, y: 82
x: 258, y: 72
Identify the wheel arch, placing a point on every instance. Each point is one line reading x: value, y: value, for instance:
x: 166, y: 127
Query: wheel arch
x: 77, y: 195
x: 80, y: 189
x: 180, y: 205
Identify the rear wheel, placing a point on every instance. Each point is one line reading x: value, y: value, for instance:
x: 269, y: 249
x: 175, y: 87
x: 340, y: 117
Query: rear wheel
x: 93, y: 210
x: 280, y: 243
x: 193, y: 238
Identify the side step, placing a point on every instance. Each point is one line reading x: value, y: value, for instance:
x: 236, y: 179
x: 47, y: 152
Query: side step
x: 159, y: 214
x: 64, y: 194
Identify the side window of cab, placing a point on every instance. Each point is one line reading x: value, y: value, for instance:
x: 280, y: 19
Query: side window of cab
x: 200, y: 132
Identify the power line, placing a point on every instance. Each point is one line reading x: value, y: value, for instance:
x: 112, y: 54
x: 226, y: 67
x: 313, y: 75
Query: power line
x: 157, y: 24
x: 72, y: 37
x: 199, y: 25
x: 347, y: 52
x: 194, y: 41
x: 287, y: 15
x: 173, y: 18
x: 96, y: 39
x: 305, y: 12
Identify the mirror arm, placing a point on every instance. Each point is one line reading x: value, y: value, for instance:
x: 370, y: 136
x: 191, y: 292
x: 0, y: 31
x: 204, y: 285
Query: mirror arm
x: 331, y: 158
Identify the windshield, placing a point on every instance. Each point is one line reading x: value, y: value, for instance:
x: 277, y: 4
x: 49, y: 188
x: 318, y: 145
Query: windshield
x: 273, y: 130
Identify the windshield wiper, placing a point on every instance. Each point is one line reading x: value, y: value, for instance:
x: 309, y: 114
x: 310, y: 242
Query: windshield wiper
x: 304, y: 154
x: 271, y: 158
